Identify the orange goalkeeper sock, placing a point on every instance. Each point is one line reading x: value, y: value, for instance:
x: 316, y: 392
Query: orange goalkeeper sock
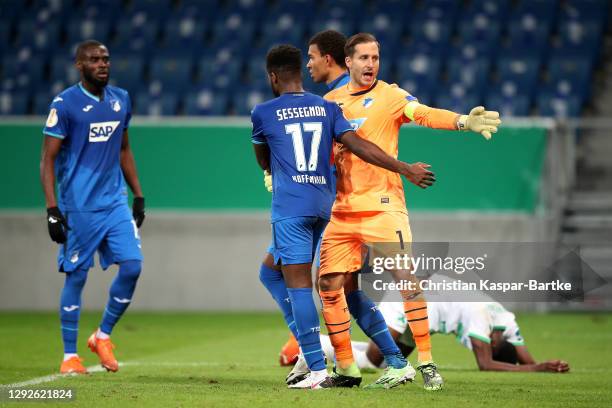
x: 338, y: 322
x: 418, y: 320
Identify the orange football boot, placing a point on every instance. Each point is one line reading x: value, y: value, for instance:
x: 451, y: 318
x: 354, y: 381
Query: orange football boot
x: 104, y: 349
x: 289, y: 353
x: 74, y: 365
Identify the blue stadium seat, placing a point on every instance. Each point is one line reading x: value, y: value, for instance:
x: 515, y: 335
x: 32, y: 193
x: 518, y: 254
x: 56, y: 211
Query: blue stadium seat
x: 184, y: 35
x: 472, y: 74
x: 23, y: 71
x: 155, y: 105
x: 233, y: 28
x: 560, y: 107
x: 14, y: 103
x: 400, y: 9
x: 42, y: 39
x: 156, y: 9
x: 62, y: 69
x: 386, y: 27
x: 544, y: 11
x: 134, y: 35
x: 282, y: 28
x: 433, y: 32
x: 507, y: 106
x: 206, y: 102
x: 345, y: 26
x: 127, y: 71
x: 174, y: 73
x: 41, y: 101
x: 439, y: 10
x: 456, y: 99
x: 79, y: 30
x: 495, y: 9
x: 480, y: 31
x: 580, y: 39
x: 301, y: 10
x: 423, y: 91
x: 243, y: 102
x: 584, y: 10
x: 528, y: 36
x: 221, y: 70
x: 521, y: 71
x: 420, y: 68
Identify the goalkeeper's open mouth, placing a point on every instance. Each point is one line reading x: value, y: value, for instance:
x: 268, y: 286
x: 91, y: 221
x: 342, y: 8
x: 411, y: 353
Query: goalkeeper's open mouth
x: 368, y: 77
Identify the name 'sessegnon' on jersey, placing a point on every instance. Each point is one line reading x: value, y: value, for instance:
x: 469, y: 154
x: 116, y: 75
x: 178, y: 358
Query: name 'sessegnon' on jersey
x: 300, y: 129
x: 87, y: 169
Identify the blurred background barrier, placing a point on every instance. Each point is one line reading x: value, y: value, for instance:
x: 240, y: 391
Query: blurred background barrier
x: 199, y: 166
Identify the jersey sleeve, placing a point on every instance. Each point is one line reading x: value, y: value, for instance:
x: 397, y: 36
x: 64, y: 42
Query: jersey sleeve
x: 340, y: 124
x: 257, y: 135
x: 397, y: 99
x: 57, y: 122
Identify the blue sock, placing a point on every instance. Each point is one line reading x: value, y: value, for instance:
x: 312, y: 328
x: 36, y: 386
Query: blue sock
x: 274, y: 282
x: 308, y: 327
x: 70, y: 308
x: 373, y: 324
x: 120, y: 294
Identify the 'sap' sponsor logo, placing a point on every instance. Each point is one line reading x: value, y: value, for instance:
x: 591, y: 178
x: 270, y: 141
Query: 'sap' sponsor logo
x: 102, y: 131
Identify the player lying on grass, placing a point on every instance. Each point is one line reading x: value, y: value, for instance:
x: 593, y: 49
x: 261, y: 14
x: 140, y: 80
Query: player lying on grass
x: 293, y: 136
x: 486, y: 328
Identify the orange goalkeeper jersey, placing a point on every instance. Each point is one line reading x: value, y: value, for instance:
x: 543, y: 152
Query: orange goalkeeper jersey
x: 376, y: 114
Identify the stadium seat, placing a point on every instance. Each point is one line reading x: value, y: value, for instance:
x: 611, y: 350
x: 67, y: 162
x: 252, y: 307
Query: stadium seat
x: 281, y: 28
x: 41, y: 101
x: 62, y: 69
x: 584, y: 10
x: 233, y: 29
x: 420, y: 68
x: 127, y: 72
x: 183, y: 36
x: 14, y: 103
x: 508, y: 107
x: 521, y: 71
x: 155, y: 105
x: 23, y: 70
x: 174, y: 73
x: 497, y: 10
x: 456, y: 98
x: 559, y: 107
x: 79, y: 30
x: 243, y: 102
x: 386, y: 27
x: 543, y: 11
x: 206, y: 102
x: 134, y: 35
x: 330, y: 23
x: 472, y: 74
x: 482, y: 32
x: 156, y: 9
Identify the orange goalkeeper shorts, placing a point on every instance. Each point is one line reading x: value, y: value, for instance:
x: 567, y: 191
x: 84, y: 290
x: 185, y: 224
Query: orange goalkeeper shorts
x: 347, y: 234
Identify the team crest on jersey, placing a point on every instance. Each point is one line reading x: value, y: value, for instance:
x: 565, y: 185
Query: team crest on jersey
x: 367, y: 102
x: 75, y: 257
x: 116, y: 106
x: 52, y: 118
x: 357, y: 123
x: 102, y: 131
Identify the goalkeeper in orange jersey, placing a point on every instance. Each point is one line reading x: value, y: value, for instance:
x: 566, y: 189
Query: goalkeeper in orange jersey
x: 370, y: 208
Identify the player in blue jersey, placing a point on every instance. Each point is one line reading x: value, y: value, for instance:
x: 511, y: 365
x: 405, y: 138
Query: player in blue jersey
x: 293, y: 136
x: 86, y: 150
x: 326, y: 65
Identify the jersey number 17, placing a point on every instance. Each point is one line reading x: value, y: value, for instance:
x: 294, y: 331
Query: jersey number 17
x: 295, y: 130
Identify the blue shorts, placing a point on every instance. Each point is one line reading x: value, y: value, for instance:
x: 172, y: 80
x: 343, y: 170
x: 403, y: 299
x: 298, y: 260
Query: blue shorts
x: 112, y: 232
x: 297, y: 240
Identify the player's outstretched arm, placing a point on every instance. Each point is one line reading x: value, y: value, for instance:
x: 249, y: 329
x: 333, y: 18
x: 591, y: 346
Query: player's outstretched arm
x: 484, y: 358
x: 262, y: 154
x: 416, y: 173
x: 479, y: 119
x: 128, y: 167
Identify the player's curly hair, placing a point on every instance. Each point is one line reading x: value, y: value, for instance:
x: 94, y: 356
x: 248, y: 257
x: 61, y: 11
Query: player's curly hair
x: 361, y: 38
x: 330, y: 42
x: 284, y: 59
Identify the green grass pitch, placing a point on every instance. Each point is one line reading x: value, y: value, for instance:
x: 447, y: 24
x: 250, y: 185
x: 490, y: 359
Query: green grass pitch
x: 231, y: 359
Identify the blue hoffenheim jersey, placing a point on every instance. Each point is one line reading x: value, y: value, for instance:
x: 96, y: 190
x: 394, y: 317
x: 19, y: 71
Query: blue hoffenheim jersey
x: 87, y: 169
x: 299, y: 129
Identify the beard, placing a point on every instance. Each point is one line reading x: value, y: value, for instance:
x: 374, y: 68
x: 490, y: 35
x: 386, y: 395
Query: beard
x: 100, y: 83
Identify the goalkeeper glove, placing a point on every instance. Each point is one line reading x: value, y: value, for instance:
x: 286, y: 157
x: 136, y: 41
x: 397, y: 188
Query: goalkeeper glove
x: 57, y: 225
x: 138, y: 210
x: 268, y: 181
x: 480, y: 121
